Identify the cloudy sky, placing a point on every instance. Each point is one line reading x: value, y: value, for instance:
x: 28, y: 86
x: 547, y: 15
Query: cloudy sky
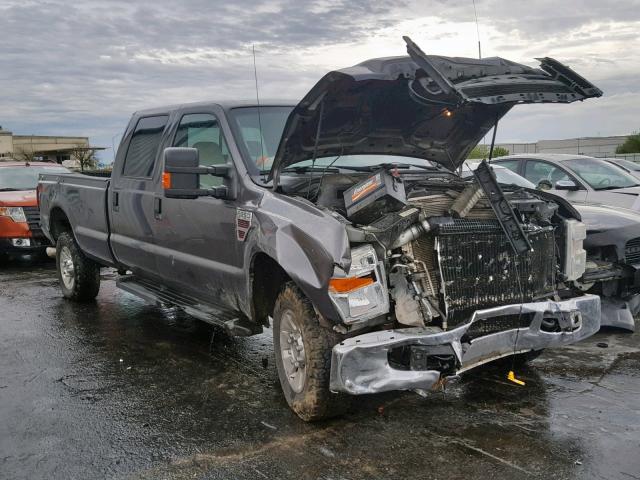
x: 81, y: 68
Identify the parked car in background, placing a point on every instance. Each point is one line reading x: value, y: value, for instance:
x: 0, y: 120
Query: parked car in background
x: 20, y: 231
x: 579, y: 179
x: 627, y: 165
x: 613, y: 253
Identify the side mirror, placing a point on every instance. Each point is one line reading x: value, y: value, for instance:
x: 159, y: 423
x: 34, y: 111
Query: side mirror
x: 181, y: 175
x: 179, y: 179
x: 545, y: 185
x: 566, y: 185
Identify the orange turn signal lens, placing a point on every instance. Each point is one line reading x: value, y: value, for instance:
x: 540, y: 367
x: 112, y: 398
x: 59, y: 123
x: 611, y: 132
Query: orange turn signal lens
x: 349, y: 284
x: 166, y: 180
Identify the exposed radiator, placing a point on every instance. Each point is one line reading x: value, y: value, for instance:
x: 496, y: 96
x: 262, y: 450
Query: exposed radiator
x: 478, y: 268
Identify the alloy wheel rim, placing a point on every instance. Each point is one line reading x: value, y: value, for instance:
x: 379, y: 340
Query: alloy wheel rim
x: 67, y: 268
x: 292, y: 352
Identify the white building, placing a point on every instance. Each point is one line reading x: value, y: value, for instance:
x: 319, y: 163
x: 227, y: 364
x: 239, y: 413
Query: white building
x: 44, y: 148
x: 591, y: 146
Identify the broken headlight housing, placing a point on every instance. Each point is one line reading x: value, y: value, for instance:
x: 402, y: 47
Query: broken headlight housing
x: 575, y: 257
x: 361, y: 294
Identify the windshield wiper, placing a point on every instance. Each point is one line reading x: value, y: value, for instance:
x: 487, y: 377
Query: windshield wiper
x: 309, y: 168
x: 388, y: 166
x: 9, y: 189
x: 613, y: 187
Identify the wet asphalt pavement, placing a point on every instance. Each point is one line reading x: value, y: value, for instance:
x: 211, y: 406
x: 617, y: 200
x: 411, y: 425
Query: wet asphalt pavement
x: 119, y: 389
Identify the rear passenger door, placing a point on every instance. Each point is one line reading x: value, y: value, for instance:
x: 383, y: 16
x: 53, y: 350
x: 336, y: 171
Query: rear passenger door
x: 132, y: 196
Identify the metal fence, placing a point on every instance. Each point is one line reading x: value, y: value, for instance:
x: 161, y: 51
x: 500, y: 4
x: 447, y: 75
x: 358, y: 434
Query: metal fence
x: 633, y: 157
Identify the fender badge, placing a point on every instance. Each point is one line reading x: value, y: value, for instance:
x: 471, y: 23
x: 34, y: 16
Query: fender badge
x: 243, y: 224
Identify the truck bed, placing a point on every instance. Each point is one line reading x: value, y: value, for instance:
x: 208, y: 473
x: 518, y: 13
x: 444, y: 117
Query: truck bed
x: 83, y: 200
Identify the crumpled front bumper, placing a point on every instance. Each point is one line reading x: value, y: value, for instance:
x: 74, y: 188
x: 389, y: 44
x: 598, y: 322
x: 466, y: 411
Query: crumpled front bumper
x: 360, y: 365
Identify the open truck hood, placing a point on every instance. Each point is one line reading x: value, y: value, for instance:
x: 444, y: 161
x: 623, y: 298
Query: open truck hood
x: 422, y: 106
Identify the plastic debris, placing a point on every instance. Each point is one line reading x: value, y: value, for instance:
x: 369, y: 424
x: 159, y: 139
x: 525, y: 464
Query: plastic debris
x: 512, y: 378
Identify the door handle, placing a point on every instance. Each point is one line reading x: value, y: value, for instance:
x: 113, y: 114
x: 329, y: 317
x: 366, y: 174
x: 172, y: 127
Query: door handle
x: 157, y: 208
x: 116, y: 202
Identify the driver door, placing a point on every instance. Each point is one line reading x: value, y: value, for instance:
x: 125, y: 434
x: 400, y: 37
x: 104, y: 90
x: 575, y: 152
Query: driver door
x: 538, y: 170
x: 197, y: 237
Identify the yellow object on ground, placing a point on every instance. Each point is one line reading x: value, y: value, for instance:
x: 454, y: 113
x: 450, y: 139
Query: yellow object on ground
x: 512, y: 378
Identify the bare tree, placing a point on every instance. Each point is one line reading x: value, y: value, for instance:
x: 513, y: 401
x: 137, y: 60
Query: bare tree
x: 86, y: 156
x: 25, y: 154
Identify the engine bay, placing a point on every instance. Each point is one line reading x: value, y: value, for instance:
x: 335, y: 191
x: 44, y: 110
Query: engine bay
x: 445, y: 250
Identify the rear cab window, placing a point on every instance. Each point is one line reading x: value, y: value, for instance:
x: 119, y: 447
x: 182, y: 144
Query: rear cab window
x: 143, y: 146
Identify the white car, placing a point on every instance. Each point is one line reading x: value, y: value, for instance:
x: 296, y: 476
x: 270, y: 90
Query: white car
x: 579, y: 179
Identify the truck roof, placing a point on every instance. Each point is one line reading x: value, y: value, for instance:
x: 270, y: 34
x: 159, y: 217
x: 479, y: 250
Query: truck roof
x: 224, y: 104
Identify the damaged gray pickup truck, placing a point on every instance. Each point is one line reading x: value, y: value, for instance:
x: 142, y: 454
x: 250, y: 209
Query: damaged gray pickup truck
x: 342, y: 219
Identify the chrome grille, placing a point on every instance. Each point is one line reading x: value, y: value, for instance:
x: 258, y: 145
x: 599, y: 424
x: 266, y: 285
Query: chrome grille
x: 632, y: 251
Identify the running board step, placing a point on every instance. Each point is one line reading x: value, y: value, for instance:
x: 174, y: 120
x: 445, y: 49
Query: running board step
x: 160, y: 295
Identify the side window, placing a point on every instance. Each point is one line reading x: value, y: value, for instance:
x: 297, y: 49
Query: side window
x: 534, y: 171
x: 510, y: 164
x: 202, y: 131
x: 143, y: 147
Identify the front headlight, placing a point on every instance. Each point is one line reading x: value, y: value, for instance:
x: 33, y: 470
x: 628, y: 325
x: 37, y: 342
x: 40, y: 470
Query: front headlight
x: 15, y: 213
x: 362, y: 294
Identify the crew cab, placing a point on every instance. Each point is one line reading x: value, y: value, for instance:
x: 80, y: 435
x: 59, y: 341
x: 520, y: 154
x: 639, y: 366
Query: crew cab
x: 342, y: 220
x: 20, y: 231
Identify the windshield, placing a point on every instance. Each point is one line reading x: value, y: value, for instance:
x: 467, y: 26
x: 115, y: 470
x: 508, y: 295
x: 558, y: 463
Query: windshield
x: 260, y: 134
x: 599, y: 174
x: 24, y: 178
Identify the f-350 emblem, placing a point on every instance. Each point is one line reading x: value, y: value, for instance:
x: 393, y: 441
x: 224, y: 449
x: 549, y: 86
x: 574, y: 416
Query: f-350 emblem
x: 243, y: 224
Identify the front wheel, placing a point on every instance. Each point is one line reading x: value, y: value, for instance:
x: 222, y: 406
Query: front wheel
x: 303, y: 357
x: 79, y: 276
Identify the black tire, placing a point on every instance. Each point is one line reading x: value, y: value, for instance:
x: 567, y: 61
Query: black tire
x: 313, y: 401
x: 81, y: 280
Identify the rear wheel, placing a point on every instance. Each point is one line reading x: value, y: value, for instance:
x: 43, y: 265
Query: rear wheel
x: 79, y: 276
x: 303, y: 357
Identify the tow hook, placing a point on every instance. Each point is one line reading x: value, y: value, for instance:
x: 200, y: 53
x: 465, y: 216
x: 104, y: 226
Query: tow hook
x: 439, y: 386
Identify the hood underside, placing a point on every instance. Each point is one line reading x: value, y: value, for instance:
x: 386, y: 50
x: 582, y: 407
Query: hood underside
x: 422, y: 106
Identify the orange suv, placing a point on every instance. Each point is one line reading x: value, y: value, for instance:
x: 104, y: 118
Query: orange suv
x: 20, y: 231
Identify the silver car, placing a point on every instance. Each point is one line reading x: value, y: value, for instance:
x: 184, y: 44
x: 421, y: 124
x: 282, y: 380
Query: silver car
x: 579, y: 179
x: 627, y: 165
